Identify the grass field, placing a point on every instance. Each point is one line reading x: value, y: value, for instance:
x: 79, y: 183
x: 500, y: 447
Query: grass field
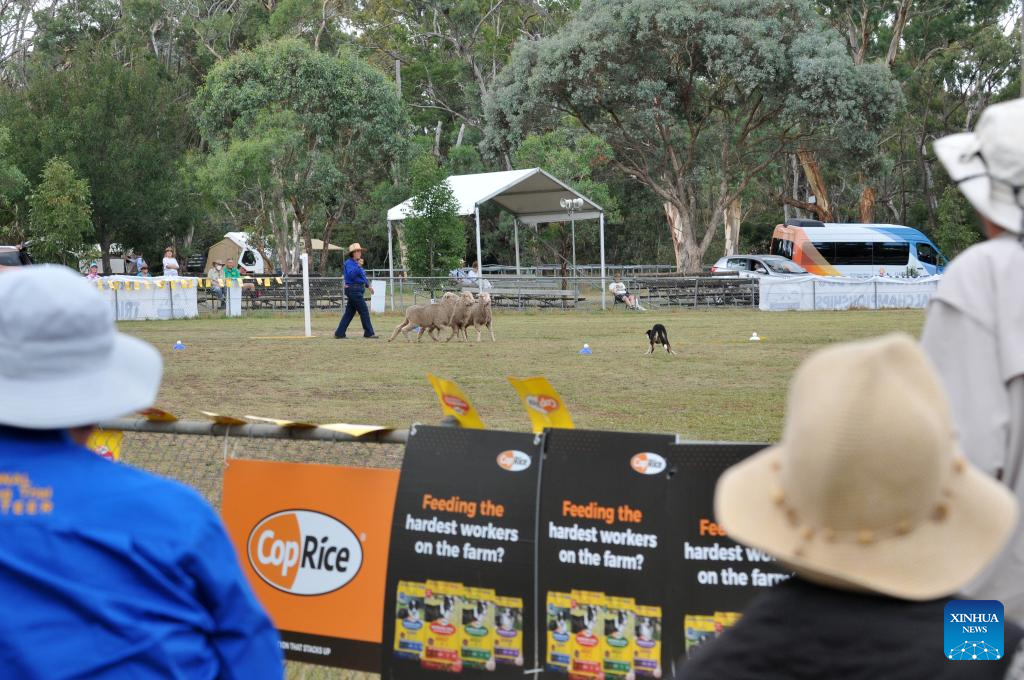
x: 720, y: 386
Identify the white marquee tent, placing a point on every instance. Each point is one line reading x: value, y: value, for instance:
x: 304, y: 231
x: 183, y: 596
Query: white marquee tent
x: 530, y: 195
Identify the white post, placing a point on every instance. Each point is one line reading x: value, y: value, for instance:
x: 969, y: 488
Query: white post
x: 391, y: 268
x: 603, y: 287
x: 572, y: 222
x: 479, y: 257
x: 515, y: 222
x: 305, y: 292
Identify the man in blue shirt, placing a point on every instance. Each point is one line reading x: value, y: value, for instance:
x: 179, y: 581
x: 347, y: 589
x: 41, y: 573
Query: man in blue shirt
x: 105, y: 571
x: 355, y: 284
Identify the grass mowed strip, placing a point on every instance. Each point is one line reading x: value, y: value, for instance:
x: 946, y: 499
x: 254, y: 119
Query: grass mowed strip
x: 719, y: 386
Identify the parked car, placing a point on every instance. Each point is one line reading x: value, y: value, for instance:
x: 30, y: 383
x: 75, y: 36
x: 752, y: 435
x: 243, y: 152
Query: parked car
x: 756, y: 266
x: 13, y: 256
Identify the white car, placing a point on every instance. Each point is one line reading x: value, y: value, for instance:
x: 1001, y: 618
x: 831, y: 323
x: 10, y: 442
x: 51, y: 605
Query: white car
x: 756, y: 266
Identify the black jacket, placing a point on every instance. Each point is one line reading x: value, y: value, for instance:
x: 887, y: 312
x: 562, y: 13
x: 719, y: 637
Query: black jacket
x: 799, y: 630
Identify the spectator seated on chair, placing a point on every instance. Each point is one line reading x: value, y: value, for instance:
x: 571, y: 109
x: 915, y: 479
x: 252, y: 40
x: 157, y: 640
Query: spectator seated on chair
x: 618, y: 289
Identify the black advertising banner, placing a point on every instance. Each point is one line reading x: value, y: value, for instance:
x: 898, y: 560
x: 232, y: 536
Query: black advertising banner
x: 713, y: 578
x: 602, y: 556
x: 459, y: 593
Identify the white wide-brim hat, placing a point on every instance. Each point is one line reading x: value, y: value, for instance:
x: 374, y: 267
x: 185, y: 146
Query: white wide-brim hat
x: 62, y: 362
x: 868, y: 489
x: 988, y: 164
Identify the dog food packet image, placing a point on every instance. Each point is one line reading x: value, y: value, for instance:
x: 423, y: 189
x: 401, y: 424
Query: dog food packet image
x: 559, y: 625
x: 619, y: 632
x: 409, y: 629
x: 725, y: 620
x: 508, y: 633
x: 443, y: 636
x: 587, y: 635
x: 647, y: 644
x: 478, y: 628
x: 699, y: 629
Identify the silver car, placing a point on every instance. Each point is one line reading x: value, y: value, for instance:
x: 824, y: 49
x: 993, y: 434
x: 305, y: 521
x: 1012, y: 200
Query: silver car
x: 756, y: 266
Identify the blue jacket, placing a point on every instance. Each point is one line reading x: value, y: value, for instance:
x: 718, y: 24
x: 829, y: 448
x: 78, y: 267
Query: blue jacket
x: 355, y: 277
x: 110, y: 572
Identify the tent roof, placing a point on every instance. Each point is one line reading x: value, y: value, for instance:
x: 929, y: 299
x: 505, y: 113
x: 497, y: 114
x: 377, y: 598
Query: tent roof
x: 319, y: 245
x: 532, y: 195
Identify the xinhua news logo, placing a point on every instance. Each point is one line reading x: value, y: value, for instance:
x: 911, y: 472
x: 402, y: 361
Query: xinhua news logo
x: 974, y: 630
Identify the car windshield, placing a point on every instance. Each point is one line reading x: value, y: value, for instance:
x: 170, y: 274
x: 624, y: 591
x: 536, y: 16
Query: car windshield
x: 784, y: 266
x: 9, y: 258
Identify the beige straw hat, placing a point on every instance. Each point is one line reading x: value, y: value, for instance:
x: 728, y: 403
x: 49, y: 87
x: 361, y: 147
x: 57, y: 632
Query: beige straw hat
x: 354, y: 247
x: 868, y: 489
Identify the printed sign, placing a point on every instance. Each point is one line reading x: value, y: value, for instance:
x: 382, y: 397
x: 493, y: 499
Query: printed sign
x: 455, y: 403
x: 313, y: 541
x: 542, y: 403
x: 460, y: 577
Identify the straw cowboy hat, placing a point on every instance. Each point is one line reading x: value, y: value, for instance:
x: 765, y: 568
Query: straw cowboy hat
x: 988, y: 164
x: 62, y: 362
x: 868, y: 489
x: 354, y: 247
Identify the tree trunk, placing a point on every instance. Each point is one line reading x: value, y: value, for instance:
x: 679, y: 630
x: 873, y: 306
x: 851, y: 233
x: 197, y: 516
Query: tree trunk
x: 105, y: 250
x: 462, y: 131
x: 902, y: 15
x: 731, y: 218
x: 437, y: 140
x: 687, y: 251
x: 398, y: 77
x: 817, y: 184
x: 868, y: 199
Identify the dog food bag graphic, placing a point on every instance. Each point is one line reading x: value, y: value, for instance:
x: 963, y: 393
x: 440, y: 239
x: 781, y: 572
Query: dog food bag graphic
x: 619, y: 631
x: 647, y: 644
x: 508, y: 631
x: 443, y: 635
x: 725, y: 620
x: 587, y: 635
x: 409, y: 627
x: 478, y: 628
x: 559, y: 625
x: 699, y: 629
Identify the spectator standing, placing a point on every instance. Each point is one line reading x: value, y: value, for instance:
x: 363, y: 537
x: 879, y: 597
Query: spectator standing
x: 94, y: 272
x: 170, y: 263
x: 870, y: 501
x: 105, y: 571
x: 355, y: 285
x: 974, y: 332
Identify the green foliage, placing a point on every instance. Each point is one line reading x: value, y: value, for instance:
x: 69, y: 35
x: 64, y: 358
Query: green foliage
x: 956, y: 231
x: 12, y: 182
x: 60, y: 214
x: 434, y: 232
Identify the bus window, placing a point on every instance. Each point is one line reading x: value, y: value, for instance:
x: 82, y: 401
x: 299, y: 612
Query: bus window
x: 892, y: 254
x: 776, y: 248
x: 927, y: 255
x: 827, y: 249
x: 852, y: 252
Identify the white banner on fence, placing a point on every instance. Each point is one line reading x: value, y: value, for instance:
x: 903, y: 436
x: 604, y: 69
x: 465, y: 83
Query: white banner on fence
x: 836, y: 293
x: 152, y: 298
x: 379, y: 298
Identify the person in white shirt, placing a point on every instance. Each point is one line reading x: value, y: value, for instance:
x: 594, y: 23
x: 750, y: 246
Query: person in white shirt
x: 618, y: 289
x: 974, y: 331
x: 170, y: 263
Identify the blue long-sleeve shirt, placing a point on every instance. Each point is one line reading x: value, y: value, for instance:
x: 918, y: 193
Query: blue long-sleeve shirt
x: 355, y: 277
x: 110, y: 572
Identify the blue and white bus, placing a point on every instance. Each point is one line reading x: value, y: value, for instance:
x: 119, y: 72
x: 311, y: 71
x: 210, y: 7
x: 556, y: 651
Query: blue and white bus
x: 861, y: 250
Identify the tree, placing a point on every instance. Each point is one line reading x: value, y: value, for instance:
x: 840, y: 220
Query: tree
x: 298, y: 137
x: 956, y: 231
x: 12, y: 186
x: 60, y: 214
x: 696, y: 100
x: 434, y: 232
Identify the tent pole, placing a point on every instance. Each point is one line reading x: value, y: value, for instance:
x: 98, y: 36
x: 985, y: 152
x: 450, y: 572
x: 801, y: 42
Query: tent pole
x: 391, y: 270
x: 603, y: 274
x: 515, y: 222
x: 479, y: 257
x: 572, y: 222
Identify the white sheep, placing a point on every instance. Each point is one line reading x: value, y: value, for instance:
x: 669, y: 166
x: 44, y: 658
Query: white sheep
x: 461, y: 315
x: 430, y: 317
x: 480, y: 315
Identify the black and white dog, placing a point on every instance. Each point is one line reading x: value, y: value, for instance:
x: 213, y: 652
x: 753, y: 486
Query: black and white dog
x: 659, y: 336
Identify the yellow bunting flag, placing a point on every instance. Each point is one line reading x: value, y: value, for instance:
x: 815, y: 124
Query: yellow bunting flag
x: 290, y: 424
x: 266, y: 283
x: 227, y: 283
x: 137, y: 285
x: 113, y: 285
x: 278, y: 279
x: 542, y: 403
x: 106, y: 443
x: 353, y: 429
x: 455, y: 403
x: 147, y: 285
x: 155, y: 415
x: 99, y: 285
x: 159, y: 284
x: 223, y: 420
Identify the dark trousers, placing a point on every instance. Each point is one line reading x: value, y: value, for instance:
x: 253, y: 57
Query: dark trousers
x: 354, y: 303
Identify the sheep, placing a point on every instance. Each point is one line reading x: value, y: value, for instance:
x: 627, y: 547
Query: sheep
x: 480, y: 315
x: 460, y: 316
x: 428, y: 317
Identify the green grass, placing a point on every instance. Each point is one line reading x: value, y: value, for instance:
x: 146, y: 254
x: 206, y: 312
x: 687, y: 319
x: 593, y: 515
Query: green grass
x: 720, y: 386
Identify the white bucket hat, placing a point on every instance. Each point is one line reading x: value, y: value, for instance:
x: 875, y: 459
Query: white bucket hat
x: 988, y: 164
x: 62, y: 362
x: 868, y: 489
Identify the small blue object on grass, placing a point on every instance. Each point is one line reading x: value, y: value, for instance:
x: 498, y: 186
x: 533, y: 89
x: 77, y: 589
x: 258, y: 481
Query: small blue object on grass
x: 179, y: 345
x: 586, y: 349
